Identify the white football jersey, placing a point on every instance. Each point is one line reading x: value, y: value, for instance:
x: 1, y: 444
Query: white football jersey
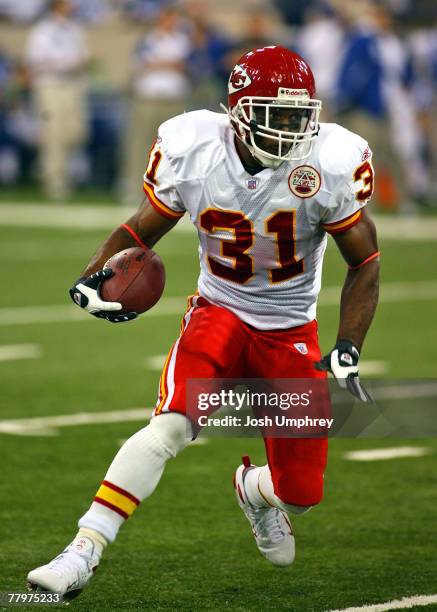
x: 262, y: 237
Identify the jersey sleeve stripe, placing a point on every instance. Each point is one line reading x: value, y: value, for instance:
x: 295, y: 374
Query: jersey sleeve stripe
x: 158, y: 205
x: 343, y: 225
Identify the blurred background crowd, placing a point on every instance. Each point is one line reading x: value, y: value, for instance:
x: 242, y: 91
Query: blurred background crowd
x: 85, y: 83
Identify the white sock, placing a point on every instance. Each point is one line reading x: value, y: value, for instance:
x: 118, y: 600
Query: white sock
x: 260, y: 492
x: 135, y: 472
x: 255, y: 495
x: 100, y: 542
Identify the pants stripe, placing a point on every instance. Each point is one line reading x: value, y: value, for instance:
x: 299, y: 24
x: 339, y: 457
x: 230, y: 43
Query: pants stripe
x: 166, y: 384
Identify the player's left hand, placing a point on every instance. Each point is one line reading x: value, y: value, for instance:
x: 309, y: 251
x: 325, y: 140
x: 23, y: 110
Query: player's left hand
x: 342, y: 362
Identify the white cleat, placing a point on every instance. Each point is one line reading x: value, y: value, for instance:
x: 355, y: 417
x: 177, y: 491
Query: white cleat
x: 69, y: 572
x: 271, y: 527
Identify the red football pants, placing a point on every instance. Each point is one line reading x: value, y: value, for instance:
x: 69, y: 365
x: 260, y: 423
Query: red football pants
x: 215, y: 343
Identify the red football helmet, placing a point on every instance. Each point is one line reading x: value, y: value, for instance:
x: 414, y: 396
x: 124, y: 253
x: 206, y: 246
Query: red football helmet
x: 271, y: 105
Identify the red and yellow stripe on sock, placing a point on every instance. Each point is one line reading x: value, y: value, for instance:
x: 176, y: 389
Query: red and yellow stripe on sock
x: 117, y: 499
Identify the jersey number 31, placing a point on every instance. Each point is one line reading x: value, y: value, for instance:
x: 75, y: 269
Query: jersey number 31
x: 282, y: 224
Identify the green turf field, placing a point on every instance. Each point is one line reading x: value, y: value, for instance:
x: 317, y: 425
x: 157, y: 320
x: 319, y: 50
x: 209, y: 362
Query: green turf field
x: 190, y: 548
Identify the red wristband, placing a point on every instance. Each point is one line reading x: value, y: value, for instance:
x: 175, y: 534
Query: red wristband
x: 135, y: 236
x: 366, y: 261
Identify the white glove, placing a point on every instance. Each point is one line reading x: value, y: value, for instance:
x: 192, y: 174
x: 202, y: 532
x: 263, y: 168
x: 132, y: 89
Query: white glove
x: 342, y: 362
x: 86, y: 294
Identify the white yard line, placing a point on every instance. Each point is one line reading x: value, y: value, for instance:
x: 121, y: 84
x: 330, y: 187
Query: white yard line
x: 65, y: 313
x: 405, y: 392
x: 89, y: 217
x: 12, y: 352
x: 169, y: 306
x: 407, y: 227
x: 29, y: 315
x: 155, y: 362
x: 396, y: 604
x: 61, y: 216
x: 69, y: 216
x: 196, y: 442
x: 383, y: 454
x: 48, y: 426
x: 367, y: 368
x: 373, y: 368
x: 199, y: 442
x: 107, y: 217
x: 390, y: 292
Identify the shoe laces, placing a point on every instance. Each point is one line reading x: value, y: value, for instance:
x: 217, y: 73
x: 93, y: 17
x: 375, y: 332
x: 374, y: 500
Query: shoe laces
x: 69, y: 561
x: 268, y: 523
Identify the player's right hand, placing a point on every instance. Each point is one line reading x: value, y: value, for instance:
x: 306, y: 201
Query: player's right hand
x: 86, y: 293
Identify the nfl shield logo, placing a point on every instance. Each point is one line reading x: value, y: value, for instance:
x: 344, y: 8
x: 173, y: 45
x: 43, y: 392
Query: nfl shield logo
x: 301, y: 347
x: 252, y: 183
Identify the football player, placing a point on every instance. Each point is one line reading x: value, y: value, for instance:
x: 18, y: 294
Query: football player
x: 263, y: 183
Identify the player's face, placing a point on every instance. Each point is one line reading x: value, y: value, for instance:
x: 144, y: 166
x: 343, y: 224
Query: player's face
x: 292, y: 120
x: 288, y: 120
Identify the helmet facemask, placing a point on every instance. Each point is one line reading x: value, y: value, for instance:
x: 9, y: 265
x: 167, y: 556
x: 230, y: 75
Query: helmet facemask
x: 277, y: 129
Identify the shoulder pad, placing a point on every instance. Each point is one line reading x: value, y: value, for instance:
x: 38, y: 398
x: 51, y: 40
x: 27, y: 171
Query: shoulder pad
x: 193, y: 141
x: 340, y: 151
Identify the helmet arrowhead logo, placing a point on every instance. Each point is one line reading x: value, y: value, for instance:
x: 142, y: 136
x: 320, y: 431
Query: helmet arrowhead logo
x: 239, y: 79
